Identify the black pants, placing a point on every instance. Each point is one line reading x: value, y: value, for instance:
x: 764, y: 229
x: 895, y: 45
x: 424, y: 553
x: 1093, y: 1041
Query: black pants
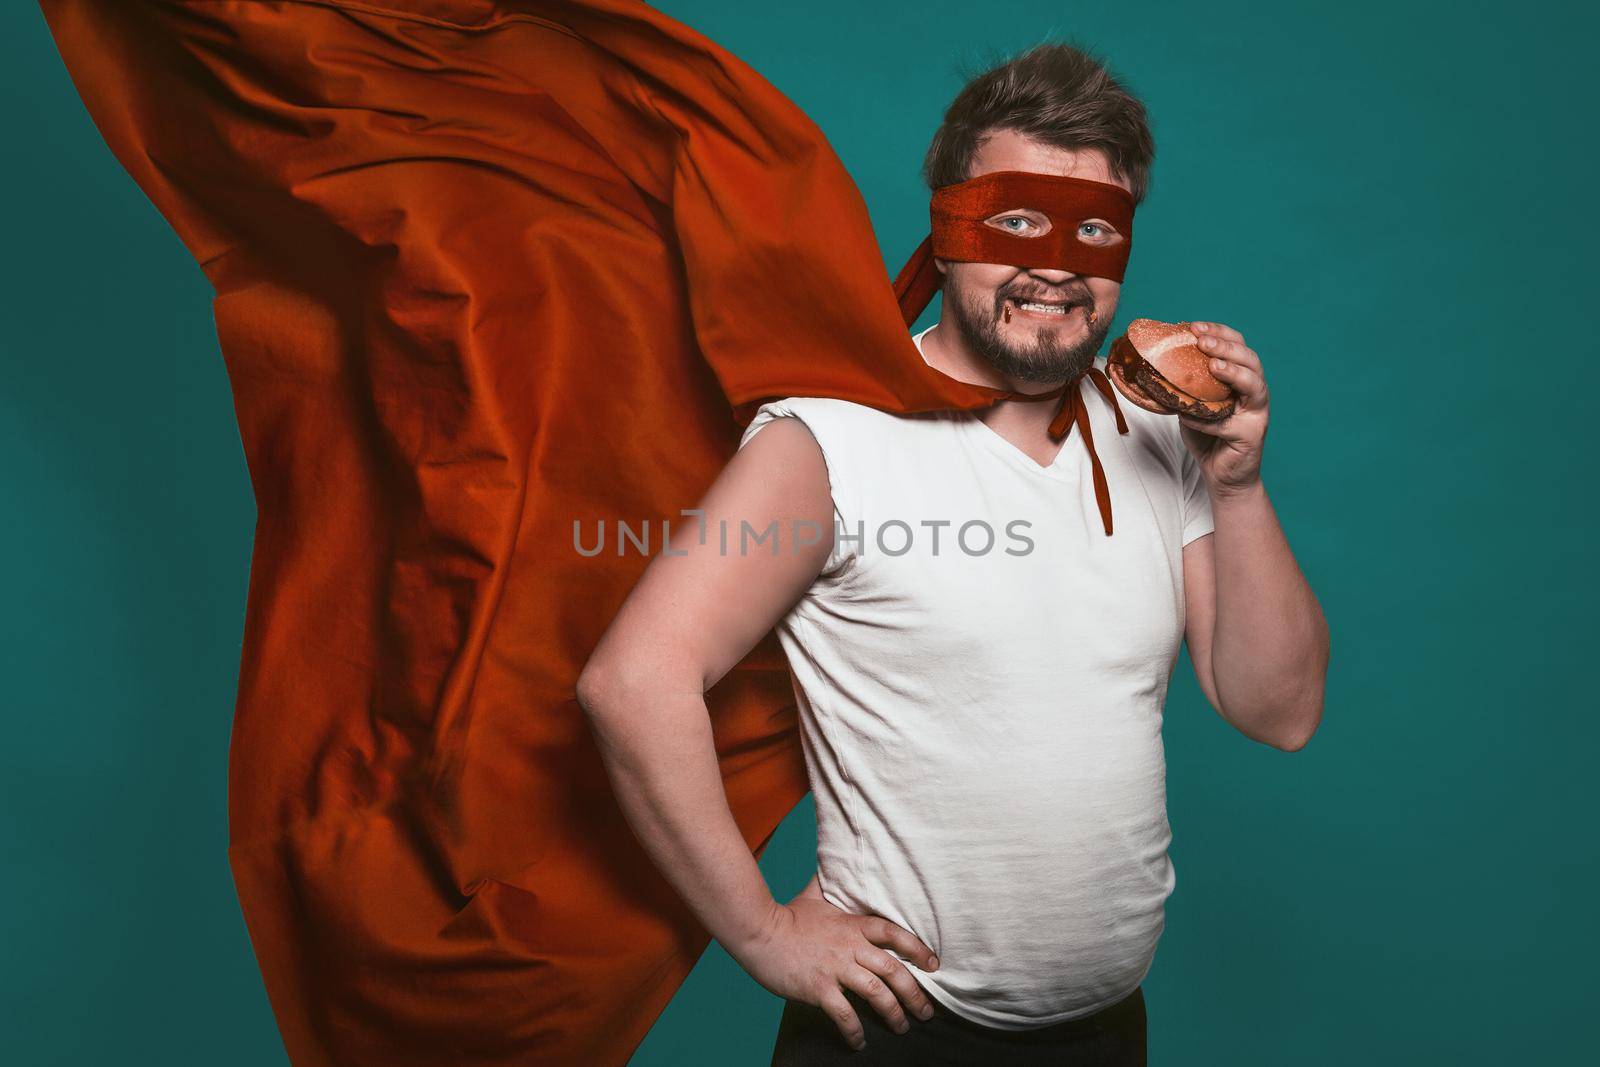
x: 1111, y: 1037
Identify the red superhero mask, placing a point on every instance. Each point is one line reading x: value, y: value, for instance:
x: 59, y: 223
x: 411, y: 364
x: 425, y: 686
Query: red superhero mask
x: 959, y: 232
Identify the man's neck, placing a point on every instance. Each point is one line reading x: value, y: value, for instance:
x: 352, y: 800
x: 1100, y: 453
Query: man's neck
x: 1025, y: 423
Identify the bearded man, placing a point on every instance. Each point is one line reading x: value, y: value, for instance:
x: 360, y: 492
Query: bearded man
x: 980, y: 656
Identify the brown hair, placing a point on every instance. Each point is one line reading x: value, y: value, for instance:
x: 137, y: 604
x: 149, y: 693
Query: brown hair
x: 1055, y: 93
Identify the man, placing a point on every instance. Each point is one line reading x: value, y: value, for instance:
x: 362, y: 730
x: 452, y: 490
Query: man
x: 980, y: 666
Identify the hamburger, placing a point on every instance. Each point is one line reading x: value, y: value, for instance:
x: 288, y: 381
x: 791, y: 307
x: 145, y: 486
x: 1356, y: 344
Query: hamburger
x: 1160, y: 367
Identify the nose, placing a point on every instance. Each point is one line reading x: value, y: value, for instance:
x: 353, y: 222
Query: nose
x: 1050, y: 276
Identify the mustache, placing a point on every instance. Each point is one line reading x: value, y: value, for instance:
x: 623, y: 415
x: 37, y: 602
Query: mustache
x: 1075, y: 295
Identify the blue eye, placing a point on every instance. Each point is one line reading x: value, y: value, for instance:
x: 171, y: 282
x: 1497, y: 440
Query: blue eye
x: 1018, y: 224
x: 1090, y: 229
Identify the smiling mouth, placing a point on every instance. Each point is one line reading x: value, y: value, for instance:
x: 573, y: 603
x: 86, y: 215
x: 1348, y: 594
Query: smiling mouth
x: 1041, y: 310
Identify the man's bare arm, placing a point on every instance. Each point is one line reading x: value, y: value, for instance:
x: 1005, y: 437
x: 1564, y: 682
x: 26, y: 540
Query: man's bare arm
x: 1256, y: 634
x: 688, y: 621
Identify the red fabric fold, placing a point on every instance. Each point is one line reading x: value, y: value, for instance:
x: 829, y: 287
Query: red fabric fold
x: 484, y: 269
x: 917, y: 281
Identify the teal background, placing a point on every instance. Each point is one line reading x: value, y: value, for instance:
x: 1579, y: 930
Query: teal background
x: 1389, y: 200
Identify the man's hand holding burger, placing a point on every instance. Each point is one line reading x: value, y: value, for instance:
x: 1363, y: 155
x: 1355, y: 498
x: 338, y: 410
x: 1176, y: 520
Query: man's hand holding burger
x: 1203, y: 373
x: 1228, y: 450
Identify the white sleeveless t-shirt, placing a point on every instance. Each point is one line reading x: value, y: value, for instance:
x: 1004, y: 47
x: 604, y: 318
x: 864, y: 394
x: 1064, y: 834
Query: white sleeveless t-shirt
x: 980, y: 673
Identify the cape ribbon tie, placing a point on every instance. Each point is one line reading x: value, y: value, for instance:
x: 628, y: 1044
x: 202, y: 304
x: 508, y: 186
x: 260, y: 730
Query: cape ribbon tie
x: 915, y: 285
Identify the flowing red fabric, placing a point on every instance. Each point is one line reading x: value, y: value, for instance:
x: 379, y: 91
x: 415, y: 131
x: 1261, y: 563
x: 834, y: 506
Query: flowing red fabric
x: 482, y: 269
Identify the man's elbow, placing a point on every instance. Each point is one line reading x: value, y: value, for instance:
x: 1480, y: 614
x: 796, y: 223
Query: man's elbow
x: 1297, y: 740
x: 1300, y: 724
x: 598, y: 685
x: 1284, y: 720
x: 1307, y: 714
x: 614, y: 684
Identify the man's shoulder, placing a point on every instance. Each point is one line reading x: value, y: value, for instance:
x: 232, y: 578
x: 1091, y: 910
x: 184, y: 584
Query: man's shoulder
x: 832, y: 407
x: 833, y: 415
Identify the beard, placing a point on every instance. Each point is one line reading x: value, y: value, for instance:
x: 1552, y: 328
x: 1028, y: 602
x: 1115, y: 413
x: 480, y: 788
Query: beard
x: 1047, y: 359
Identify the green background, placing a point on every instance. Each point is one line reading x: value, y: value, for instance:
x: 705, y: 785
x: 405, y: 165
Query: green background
x: 1390, y: 200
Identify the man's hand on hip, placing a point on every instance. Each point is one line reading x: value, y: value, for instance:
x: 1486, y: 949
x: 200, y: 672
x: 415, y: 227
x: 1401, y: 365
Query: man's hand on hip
x: 811, y: 951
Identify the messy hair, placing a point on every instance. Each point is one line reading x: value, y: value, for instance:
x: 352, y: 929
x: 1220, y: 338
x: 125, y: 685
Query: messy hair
x: 1058, y: 94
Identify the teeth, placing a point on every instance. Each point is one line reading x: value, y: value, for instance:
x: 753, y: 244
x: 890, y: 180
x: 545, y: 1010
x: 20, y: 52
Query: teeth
x: 1054, y: 309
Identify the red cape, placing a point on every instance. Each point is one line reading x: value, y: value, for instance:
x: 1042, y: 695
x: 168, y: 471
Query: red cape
x: 482, y: 268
